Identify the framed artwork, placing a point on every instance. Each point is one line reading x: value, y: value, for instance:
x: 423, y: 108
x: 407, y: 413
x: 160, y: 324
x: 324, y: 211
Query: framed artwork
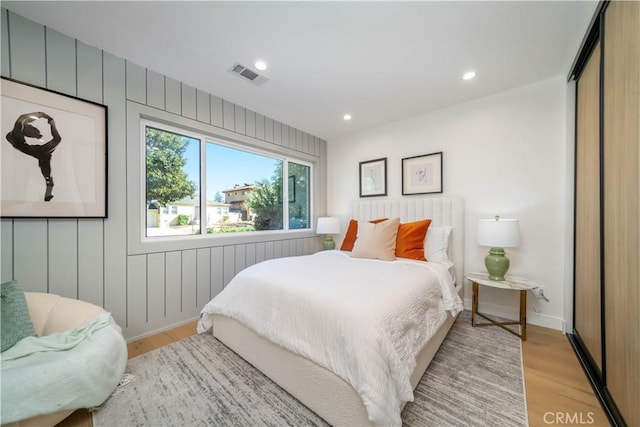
x: 422, y: 174
x: 53, y: 154
x: 373, y: 178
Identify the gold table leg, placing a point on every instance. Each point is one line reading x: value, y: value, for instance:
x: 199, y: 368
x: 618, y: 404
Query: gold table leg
x: 474, y: 304
x: 522, y: 321
x: 523, y: 315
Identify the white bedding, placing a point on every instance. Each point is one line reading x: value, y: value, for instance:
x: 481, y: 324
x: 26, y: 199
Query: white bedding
x: 365, y: 320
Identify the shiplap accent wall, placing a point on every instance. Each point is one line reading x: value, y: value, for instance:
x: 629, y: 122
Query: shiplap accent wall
x: 88, y: 259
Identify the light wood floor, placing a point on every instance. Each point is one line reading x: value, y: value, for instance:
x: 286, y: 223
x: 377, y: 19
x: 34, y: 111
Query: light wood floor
x: 557, y: 389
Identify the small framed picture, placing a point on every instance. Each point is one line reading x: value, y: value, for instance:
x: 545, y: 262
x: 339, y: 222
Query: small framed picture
x: 422, y: 174
x: 373, y: 178
x: 53, y: 154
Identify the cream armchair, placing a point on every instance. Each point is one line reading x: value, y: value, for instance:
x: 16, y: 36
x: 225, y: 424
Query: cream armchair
x: 52, y: 313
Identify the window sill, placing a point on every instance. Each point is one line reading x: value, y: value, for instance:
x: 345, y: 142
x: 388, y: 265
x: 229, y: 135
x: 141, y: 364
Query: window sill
x: 178, y: 243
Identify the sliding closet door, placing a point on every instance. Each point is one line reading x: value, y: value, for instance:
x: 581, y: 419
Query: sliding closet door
x: 622, y: 205
x: 587, y: 322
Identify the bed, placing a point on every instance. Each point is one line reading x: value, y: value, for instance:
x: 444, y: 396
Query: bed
x: 327, y: 386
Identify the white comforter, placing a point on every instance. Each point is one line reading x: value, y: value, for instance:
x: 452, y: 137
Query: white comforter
x: 365, y: 320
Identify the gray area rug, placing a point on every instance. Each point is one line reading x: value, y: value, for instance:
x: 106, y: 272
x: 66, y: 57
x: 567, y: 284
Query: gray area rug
x: 475, y: 379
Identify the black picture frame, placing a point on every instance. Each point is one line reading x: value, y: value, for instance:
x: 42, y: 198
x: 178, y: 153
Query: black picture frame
x: 422, y: 174
x: 54, y: 154
x: 373, y: 178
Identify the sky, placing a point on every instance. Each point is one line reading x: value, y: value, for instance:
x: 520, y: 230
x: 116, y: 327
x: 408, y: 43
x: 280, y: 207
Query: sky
x: 227, y: 167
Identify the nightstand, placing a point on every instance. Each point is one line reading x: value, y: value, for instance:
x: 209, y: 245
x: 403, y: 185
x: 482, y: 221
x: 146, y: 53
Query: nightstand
x: 511, y: 283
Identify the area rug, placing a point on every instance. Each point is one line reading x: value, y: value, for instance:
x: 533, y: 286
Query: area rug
x: 475, y: 379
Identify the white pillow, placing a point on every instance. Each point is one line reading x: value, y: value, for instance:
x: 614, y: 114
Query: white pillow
x: 377, y: 241
x: 436, y: 243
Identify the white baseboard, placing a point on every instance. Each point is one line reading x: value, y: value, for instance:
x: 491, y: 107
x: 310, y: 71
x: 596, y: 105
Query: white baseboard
x: 533, y: 318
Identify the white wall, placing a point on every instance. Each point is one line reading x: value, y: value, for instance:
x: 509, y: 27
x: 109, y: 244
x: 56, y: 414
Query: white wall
x: 504, y: 154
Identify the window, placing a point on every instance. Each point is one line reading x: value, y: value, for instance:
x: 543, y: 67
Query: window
x: 172, y: 175
x: 299, y: 197
x: 230, y: 167
x: 185, y: 168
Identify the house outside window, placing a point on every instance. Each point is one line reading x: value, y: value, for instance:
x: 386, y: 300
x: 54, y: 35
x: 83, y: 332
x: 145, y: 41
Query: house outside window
x: 170, y: 159
x: 248, y: 182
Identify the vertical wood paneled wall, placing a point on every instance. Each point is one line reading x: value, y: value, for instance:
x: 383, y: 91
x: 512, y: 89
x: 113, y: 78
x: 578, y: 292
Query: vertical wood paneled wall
x: 88, y: 258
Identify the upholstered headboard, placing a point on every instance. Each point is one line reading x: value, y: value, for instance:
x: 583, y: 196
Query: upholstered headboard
x: 441, y: 211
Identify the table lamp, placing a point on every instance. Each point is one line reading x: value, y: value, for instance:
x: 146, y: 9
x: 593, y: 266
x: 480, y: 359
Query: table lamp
x: 328, y: 225
x: 498, y: 233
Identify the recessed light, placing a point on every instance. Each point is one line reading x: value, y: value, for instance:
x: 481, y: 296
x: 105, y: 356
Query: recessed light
x: 260, y: 65
x: 347, y: 117
x: 469, y: 75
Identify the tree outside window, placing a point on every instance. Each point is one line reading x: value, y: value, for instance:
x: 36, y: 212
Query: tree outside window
x: 242, y: 190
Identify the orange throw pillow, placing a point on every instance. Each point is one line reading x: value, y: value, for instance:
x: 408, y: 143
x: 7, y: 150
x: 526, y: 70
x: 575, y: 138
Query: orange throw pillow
x: 410, y: 240
x: 352, y: 233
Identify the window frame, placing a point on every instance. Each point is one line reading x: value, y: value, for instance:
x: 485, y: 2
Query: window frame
x: 202, y: 187
x: 285, y: 183
x: 138, y: 243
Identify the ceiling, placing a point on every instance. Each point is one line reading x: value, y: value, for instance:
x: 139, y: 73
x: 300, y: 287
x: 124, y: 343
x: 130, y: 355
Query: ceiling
x: 378, y: 61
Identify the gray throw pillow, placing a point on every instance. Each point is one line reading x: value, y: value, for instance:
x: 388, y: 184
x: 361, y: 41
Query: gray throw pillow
x: 16, y: 322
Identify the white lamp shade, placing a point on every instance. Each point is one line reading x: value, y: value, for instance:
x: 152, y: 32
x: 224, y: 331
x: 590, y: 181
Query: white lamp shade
x: 498, y: 233
x: 328, y: 225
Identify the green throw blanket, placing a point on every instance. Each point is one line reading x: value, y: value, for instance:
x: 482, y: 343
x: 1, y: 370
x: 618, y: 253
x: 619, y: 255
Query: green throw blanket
x: 62, y: 371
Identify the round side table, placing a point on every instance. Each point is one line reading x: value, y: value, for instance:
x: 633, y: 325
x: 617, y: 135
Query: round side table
x: 511, y: 283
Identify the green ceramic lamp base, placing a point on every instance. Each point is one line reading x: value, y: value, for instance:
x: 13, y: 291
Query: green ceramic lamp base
x: 497, y: 264
x: 328, y: 243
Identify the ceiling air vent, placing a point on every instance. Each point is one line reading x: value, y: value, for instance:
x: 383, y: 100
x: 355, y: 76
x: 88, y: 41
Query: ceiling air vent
x: 248, y: 74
